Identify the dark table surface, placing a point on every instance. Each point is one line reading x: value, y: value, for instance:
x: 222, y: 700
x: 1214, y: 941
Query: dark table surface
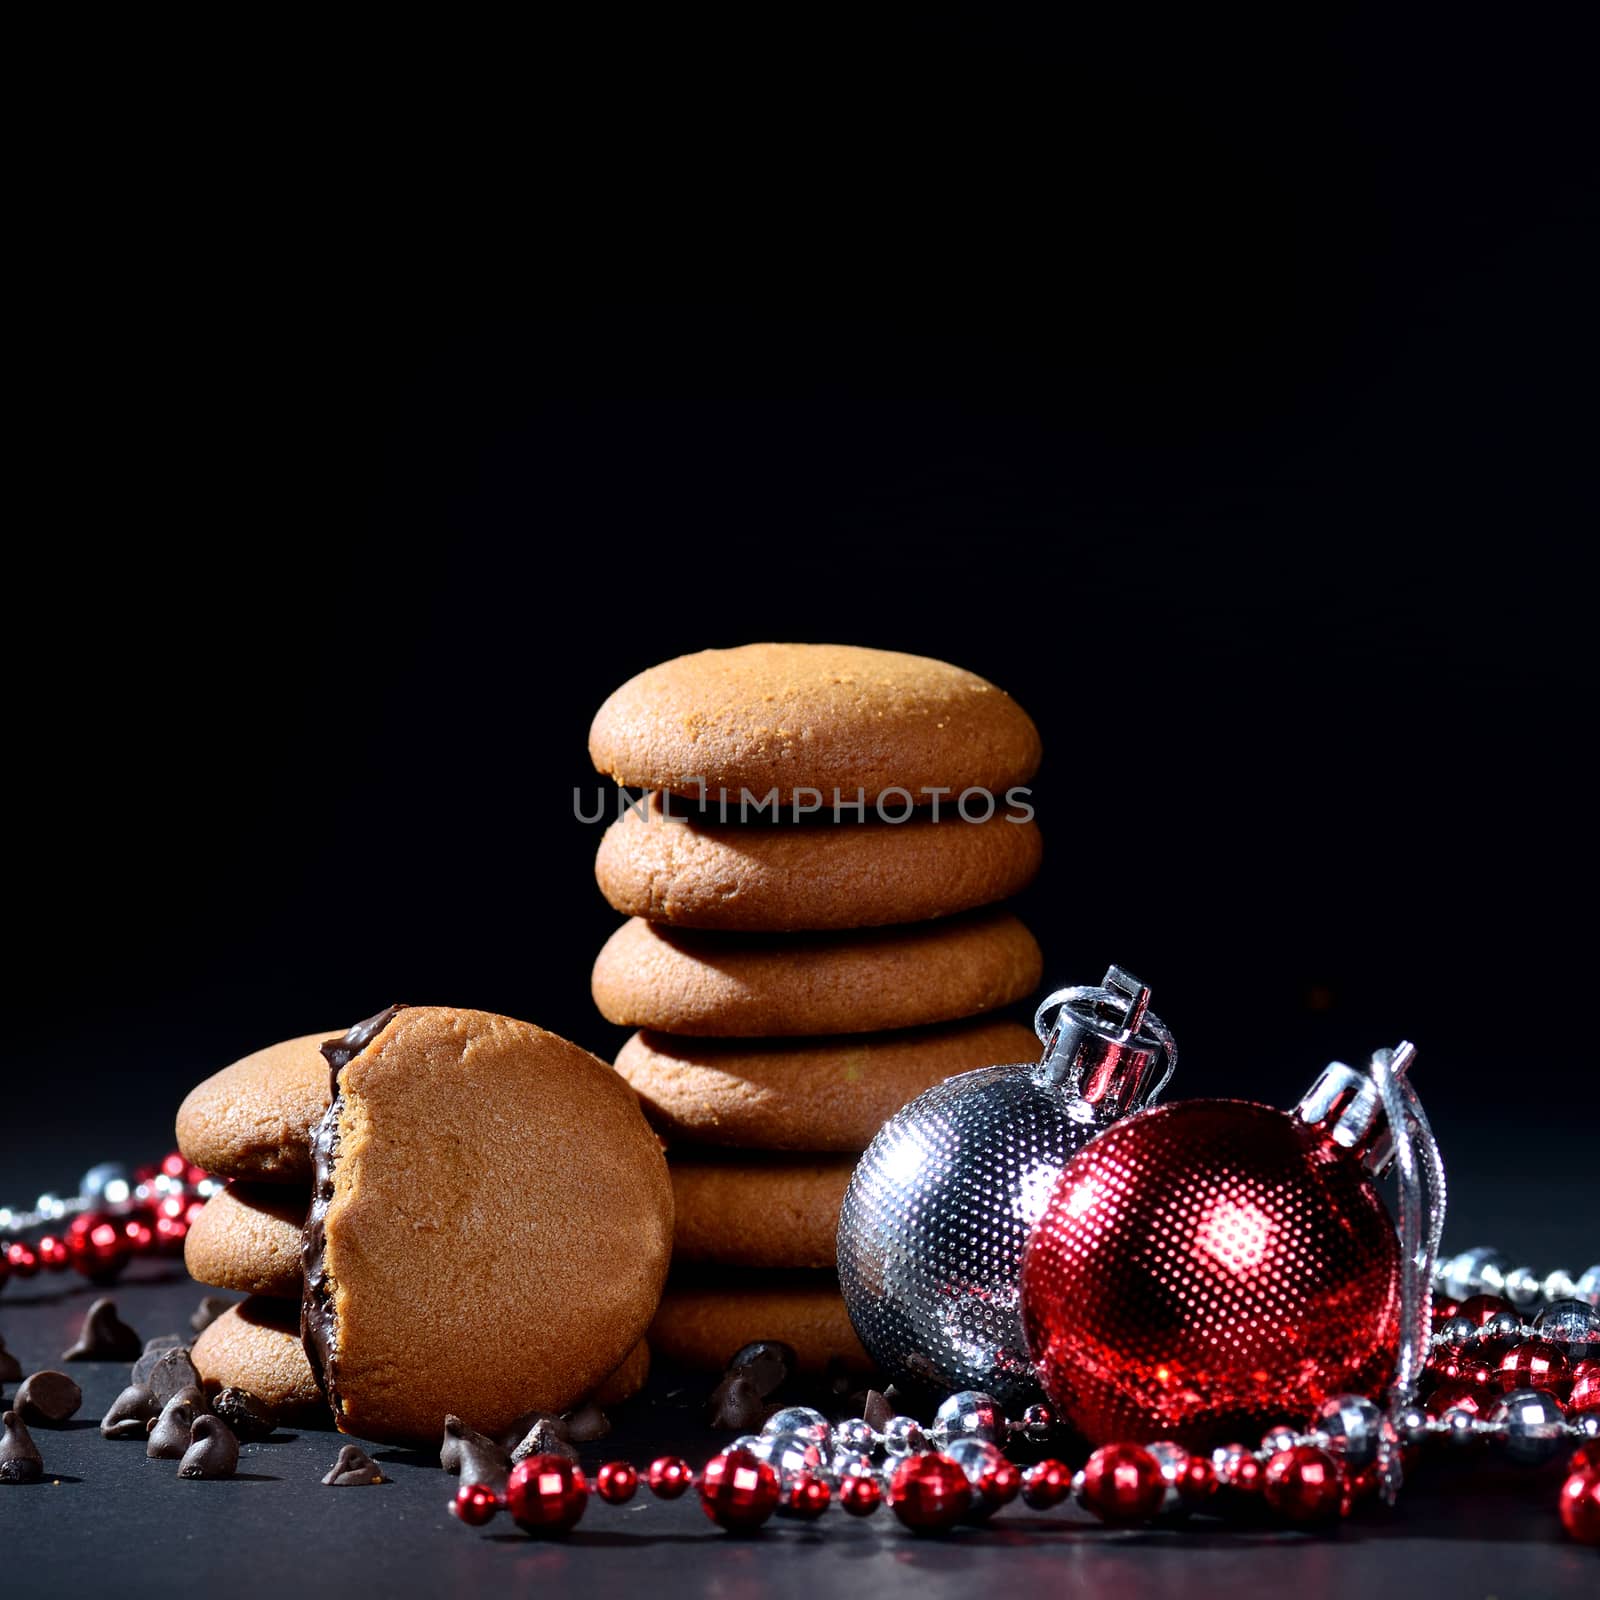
x: 106, y: 1517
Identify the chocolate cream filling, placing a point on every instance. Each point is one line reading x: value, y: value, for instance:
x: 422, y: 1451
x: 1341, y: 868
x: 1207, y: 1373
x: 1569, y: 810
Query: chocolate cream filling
x: 319, y: 1320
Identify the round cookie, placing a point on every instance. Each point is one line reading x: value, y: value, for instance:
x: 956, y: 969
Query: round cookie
x: 814, y: 1094
x: 750, y: 986
x: 782, y: 878
x: 490, y: 1225
x: 255, y: 1345
x: 782, y: 717
x: 701, y: 1325
x: 249, y: 1238
x: 781, y: 1212
x: 627, y: 1380
x: 254, y: 1120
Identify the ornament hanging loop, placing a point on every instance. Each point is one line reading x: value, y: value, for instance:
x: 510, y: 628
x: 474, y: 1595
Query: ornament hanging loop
x: 1378, y: 1116
x: 1104, y: 1046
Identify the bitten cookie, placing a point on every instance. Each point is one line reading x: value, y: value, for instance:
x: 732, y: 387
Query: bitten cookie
x: 490, y: 1224
x: 253, y: 1120
x: 781, y: 1212
x: 255, y: 1345
x: 814, y: 1094
x: 783, y: 877
x: 750, y: 986
x: 779, y: 717
x: 702, y: 1324
x: 248, y: 1237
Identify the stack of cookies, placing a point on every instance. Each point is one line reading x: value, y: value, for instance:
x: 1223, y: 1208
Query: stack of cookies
x: 479, y: 1226
x: 812, y: 943
x: 252, y: 1124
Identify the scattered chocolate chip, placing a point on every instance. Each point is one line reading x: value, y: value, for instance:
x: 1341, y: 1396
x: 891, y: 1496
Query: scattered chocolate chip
x: 104, y: 1336
x: 208, y: 1311
x: 213, y: 1451
x: 545, y: 1437
x: 458, y: 1437
x: 154, y: 1349
x: 876, y: 1410
x: 10, y: 1369
x: 736, y: 1405
x: 585, y: 1423
x: 48, y: 1399
x: 129, y: 1413
x: 355, y: 1468
x: 169, y: 1433
x: 20, y: 1461
x: 765, y: 1364
x: 172, y: 1374
x: 250, y: 1420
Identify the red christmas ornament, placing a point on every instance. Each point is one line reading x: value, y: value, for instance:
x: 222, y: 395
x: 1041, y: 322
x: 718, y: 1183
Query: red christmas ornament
x: 1046, y: 1484
x: 1580, y: 1507
x: 1535, y: 1364
x: 929, y: 1493
x: 1122, y: 1484
x: 1304, y: 1485
x: 669, y: 1476
x: 860, y: 1494
x: 806, y: 1496
x: 615, y: 1482
x: 738, y: 1490
x: 546, y: 1494
x: 475, y: 1504
x: 1586, y: 1458
x: 1208, y: 1267
x: 1482, y: 1308
x: 1585, y: 1391
x: 1454, y: 1367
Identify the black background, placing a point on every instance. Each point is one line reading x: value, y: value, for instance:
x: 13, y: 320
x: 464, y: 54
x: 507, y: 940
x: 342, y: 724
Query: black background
x: 1223, y: 392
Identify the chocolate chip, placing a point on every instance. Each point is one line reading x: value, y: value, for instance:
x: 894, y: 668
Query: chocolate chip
x: 736, y: 1405
x: 876, y: 1410
x: 20, y: 1461
x: 213, y: 1451
x: 154, y: 1349
x: 172, y: 1374
x: 545, y: 1437
x: 48, y: 1399
x: 585, y: 1423
x: 765, y: 1364
x: 459, y: 1437
x: 251, y: 1420
x: 104, y: 1336
x: 354, y: 1468
x: 169, y: 1433
x: 129, y: 1413
x: 10, y: 1368
x: 208, y: 1311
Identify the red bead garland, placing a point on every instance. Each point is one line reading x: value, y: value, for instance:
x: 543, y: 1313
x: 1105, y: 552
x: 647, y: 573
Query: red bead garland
x: 1305, y: 1485
x: 1535, y: 1364
x: 738, y: 1490
x: 475, y: 1504
x: 546, y: 1494
x: 1122, y: 1484
x: 929, y: 1493
x: 1585, y: 1391
x: 615, y: 1482
x: 1046, y: 1484
x: 669, y: 1476
x: 860, y: 1495
x: 807, y: 1496
x: 1580, y: 1506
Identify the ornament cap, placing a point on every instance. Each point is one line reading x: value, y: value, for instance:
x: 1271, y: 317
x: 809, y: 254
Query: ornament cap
x: 1105, y: 1045
x: 1347, y: 1105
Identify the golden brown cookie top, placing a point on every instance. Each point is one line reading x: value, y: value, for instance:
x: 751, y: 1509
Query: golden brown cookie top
x: 782, y: 716
x: 495, y: 1225
x: 253, y: 1120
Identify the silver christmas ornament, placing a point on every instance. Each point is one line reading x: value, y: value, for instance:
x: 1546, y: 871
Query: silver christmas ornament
x: 1535, y: 1425
x: 940, y: 1207
x: 1351, y: 1424
x: 970, y: 1415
